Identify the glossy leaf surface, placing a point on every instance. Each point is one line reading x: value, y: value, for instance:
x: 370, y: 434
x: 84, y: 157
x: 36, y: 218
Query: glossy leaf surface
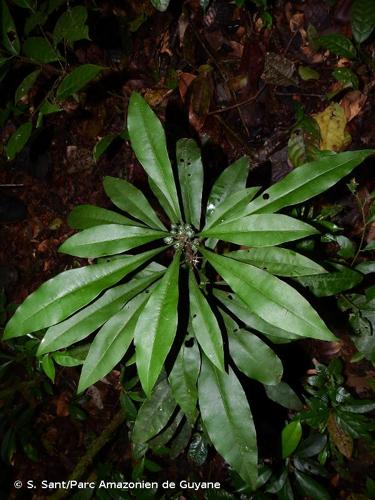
x: 327, y: 284
x: 111, y: 342
x: 109, y: 239
x: 231, y: 207
x: 284, y: 395
x: 154, y: 413
x: 85, y: 216
x: 40, y: 50
x: 156, y: 327
x: 270, y: 298
x: 204, y: 324
x: 18, y: 140
x: 338, y: 44
x: 149, y: 144
x: 88, y: 319
x: 279, y: 261
x: 77, y: 79
x: 190, y: 172
x: 260, y: 230
x: 183, y: 380
x: 234, y: 304
x: 290, y: 438
x: 64, y: 294
x: 10, y: 38
x: 130, y: 199
x: 254, y: 358
x: 26, y: 84
x: 227, y: 418
x: 71, y: 25
x: 363, y: 19
x: 231, y: 180
x: 307, y: 181
x: 311, y: 487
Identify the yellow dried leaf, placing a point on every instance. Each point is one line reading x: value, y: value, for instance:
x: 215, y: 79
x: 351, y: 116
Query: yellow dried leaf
x: 332, y: 122
x: 343, y: 442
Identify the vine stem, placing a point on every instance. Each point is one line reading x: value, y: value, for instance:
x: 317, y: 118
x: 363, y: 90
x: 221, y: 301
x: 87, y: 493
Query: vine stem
x: 361, y: 206
x: 91, y: 452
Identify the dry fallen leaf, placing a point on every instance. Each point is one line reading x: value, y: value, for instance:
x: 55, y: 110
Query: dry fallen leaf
x: 343, y: 441
x: 184, y: 82
x: 332, y: 122
x: 353, y: 103
x: 279, y: 70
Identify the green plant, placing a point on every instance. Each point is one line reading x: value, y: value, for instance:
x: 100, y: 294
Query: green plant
x: 185, y: 311
x: 301, y: 471
x: 332, y: 409
x: 35, y: 50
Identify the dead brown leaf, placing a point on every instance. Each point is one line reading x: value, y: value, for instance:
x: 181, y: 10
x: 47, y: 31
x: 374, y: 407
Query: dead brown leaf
x: 343, y: 442
x: 353, y: 103
x: 62, y: 404
x: 184, y: 82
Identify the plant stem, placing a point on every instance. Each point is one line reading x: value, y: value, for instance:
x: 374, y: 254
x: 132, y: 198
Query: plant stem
x: 91, y: 452
x: 361, y: 206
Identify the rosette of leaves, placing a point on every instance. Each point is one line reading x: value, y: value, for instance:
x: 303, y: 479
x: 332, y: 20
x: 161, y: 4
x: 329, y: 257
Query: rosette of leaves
x: 228, y: 298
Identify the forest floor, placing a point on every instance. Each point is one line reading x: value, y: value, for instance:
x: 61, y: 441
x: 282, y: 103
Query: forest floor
x: 226, y: 79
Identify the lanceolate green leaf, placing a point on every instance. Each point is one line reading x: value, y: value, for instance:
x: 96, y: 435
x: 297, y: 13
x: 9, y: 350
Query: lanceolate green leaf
x: 270, y: 298
x: 254, y: 358
x: 26, y: 84
x: 154, y: 413
x: 18, y: 140
x: 163, y: 201
x: 284, y: 395
x: 324, y: 285
x: 227, y: 418
x: 40, y: 50
x: 85, y: 216
x: 237, y: 307
x: 190, y: 172
x: 148, y: 142
x: 77, y: 79
x: 338, y: 44
x: 310, y: 487
x: 290, y: 438
x: 64, y: 294
x: 71, y: 25
x: 87, y: 320
x: 279, y: 261
x: 156, y: 327
x: 183, y: 379
x: 260, y: 230
x: 363, y: 19
x: 231, y: 180
x: 109, y: 239
x: 307, y: 181
x: 232, y: 207
x: 10, y: 38
x: 111, y: 342
x: 204, y: 324
x: 130, y: 199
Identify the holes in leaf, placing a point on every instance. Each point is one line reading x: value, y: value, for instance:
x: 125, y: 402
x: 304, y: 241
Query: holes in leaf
x: 147, y: 291
x: 189, y: 342
x: 189, y: 175
x: 265, y: 196
x: 230, y: 297
x: 194, y: 316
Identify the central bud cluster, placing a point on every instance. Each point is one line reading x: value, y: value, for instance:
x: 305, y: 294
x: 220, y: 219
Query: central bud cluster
x: 182, y: 236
